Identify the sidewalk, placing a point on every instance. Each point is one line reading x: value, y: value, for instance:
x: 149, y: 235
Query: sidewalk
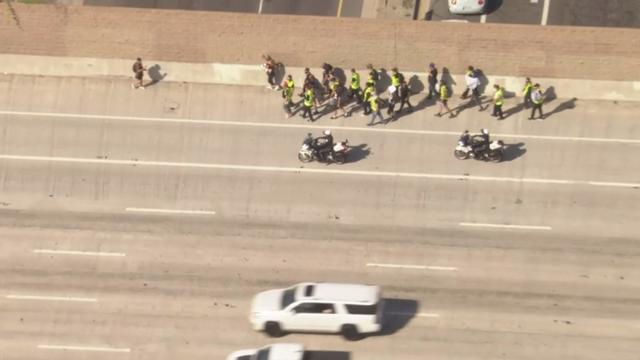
x: 252, y: 75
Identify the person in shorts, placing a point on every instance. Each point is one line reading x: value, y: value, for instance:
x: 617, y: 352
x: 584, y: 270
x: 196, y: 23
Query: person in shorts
x: 138, y: 74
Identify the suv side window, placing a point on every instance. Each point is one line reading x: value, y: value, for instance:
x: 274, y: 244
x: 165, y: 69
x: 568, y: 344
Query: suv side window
x: 314, y: 308
x: 362, y: 309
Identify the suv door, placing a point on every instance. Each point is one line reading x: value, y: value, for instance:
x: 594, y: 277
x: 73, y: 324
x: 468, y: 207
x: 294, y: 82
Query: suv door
x: 312, y: 316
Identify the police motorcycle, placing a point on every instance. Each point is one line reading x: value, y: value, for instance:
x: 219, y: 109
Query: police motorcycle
x: 476, y: 146
x: 337, y: 153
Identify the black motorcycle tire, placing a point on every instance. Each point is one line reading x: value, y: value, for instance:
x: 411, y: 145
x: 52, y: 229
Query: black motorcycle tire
x: 304, y: 159
x: 460, y: 155
x: 339, y: 158
x: 497, y: 156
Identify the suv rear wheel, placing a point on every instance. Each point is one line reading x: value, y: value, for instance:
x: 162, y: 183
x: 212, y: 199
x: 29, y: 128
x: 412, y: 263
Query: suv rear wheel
x: 273, y: 329
x: 350, y: 332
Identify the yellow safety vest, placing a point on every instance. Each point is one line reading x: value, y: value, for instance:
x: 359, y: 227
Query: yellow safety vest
x: 444, y: 92
x: 367, y: 93
x: 527, y: 88
x: 374, y: 103
x: 291, y: 84
x: 308, y: 98
x: 395, y: 80
x: 355, y: 81
x: 498, y: 97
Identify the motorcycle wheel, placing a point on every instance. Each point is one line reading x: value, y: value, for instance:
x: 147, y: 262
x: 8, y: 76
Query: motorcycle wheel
x: 460, y: 155
x: 339, y: 158
x: 304, y: 157
x: 497, y: 156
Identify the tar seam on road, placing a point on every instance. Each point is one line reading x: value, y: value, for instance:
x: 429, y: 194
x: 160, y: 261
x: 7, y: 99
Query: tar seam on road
x: 71, y: 252
x: 313, y: 171
x: 506, y: 226
x: 304, y: 126
x: 416, y: 267
x: 170, y: 211
x: 83, y: 348
x: 50, y: 298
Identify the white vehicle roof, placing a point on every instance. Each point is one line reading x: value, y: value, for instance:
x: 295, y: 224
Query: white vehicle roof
x: 286, y: 352
x: 355, y: 293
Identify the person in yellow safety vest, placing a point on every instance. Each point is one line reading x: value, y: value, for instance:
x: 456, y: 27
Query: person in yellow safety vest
x: 308, y: 103
x: 287, y: 95
x: 443, y: 91
x: 373, y: 75
x: 498, y: 100
x: 526, y: 93
x: 537, y: 98
x: 375, y: 110
x: 368, y: 93
x: 354, y: 88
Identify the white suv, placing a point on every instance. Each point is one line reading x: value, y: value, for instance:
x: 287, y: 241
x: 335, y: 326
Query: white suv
x: 348, y: 309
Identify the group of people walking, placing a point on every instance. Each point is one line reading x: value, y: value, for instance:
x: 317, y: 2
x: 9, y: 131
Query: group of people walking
x: 334, y: 94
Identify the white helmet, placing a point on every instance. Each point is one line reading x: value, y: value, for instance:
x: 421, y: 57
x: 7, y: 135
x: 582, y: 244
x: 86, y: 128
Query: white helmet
x: 327, y: 132
x: 485, y: 131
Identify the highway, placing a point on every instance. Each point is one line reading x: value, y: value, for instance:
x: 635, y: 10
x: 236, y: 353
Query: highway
x: 138, y: 225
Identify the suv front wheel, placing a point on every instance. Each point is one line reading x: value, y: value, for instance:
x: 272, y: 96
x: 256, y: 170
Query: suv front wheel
x: 350, y: 332
x: 273, y: 329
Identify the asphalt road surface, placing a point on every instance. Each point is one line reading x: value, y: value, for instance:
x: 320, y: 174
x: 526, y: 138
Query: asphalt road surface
x: 350, y: 8
x: 138, y: 224
x: 613, y: 13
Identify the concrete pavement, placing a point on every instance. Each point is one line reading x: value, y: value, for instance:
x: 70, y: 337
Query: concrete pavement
x: 86, y: 262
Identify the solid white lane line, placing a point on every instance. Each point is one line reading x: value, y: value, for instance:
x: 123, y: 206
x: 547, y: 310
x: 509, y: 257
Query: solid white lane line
x: 305, y: 170
x: 71, y: 252
x: 416, y: 267
x: 483, y: 18
x: 523, y: 227
x: 82, y: 348
x: 260, y: 7
x: 169, y: 211
x: 50, y: 298
x: 304, y: 126
x: 617, y: 184
x: 545, y: 12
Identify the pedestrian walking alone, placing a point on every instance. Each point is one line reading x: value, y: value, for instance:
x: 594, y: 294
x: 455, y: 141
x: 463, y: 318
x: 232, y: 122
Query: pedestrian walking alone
x: 468, y: 78
x: 444, y: 97
x: 287, y: 94
x: 138, y: 74
x: 308, y: 103
x: 498, y: 100
x: 269, y: 67
x: 432, y: 80
x: 537, y: 99
x: 526, y: 93
x: 375, y: 110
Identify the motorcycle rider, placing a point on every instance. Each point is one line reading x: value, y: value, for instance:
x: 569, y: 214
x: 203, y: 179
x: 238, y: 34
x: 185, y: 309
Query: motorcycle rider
x: 481, y: 148
x: 324, y: 145
x: 465, y: 137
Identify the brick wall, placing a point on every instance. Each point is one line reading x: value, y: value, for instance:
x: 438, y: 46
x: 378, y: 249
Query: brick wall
x: 193, y: 36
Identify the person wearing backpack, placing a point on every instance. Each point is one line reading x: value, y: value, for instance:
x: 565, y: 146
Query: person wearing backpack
x: 138, y: 71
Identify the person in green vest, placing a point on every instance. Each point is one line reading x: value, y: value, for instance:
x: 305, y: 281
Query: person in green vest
x: 309, y: 97
x: 443, y: 93
x: 354, y: 88
x: 375, y: 110
x: 373, y: 75
x: 288, y: 89
x: 498, y: 100
x: 369, y: 91
x: 526, y: 93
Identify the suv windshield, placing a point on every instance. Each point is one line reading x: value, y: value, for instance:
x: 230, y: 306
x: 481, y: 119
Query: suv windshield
x: 261, y: 354
x: 288, y: 297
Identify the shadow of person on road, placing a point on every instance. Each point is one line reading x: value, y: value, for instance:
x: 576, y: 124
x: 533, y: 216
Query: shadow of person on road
x: 358, y: 152
x: 415, y: 84
x: 484, y: 81
x: 513, y: 151
x: 513, y: 110
x: 469, y: 104
x: 549, y: 94
x: 563, y: 106
x: 384, y: 80
x: 448, y: 80
x: 396, y: 314
x: 155, y: 75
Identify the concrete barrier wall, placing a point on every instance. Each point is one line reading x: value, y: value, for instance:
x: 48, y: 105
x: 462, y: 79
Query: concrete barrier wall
x: 252, y: 75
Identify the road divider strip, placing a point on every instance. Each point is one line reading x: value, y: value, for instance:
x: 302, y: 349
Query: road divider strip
x: 416, y: 267
x: 506, y: 226
x: 83, y: 348
x: 305, y: 126
x: 170, y: 211
x: 297, y: 170
x: 82, y: 253
x: 50, y: 298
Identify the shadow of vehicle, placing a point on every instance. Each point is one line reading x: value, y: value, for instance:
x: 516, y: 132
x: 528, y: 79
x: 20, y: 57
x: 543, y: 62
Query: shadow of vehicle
x: 326, y: 355
x: 396, y: 314
x: 358, y: 152
x: 493, y: 5
x: 155, y: 75
x: 513, y: 151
